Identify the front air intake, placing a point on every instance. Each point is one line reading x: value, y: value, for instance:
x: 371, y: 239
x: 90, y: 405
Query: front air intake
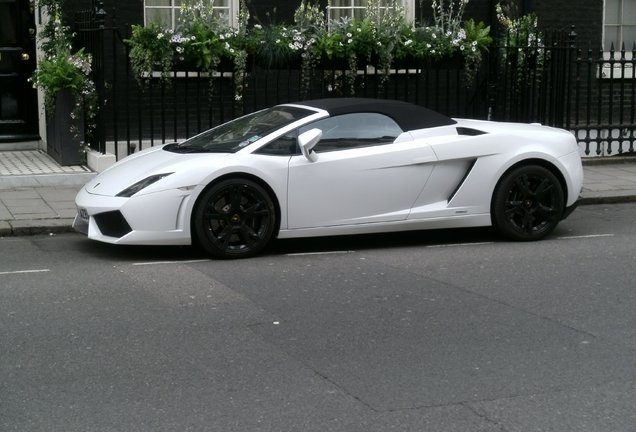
x: 112, y: 224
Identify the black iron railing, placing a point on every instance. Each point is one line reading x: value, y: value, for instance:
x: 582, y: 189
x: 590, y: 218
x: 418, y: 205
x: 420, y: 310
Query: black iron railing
x: 549, y: 81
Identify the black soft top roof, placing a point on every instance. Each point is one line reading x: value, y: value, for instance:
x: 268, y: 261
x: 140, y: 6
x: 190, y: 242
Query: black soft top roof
x: 407, y: 115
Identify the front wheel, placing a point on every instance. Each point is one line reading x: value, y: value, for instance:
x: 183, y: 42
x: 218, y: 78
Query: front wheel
x: 528, y: 203
x: 234, y: 218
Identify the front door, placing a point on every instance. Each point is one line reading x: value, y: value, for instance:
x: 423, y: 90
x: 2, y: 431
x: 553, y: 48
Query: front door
x: 18, y: 99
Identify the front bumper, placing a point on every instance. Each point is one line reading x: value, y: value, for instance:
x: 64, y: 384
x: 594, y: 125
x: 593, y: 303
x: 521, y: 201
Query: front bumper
x: 160, y: 218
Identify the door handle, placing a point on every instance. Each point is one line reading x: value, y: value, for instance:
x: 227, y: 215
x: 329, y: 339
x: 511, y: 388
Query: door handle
x: 25, y: 56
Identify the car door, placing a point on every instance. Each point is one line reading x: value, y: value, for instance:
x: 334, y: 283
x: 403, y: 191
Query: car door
x: 367, y: 170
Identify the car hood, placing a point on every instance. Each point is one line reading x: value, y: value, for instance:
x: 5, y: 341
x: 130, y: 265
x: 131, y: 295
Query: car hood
x: 141, y: 165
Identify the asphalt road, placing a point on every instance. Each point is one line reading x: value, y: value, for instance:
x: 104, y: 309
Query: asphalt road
x: 429, y: 331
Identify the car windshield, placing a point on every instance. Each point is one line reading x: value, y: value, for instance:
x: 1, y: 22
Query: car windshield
x: 237, y: 134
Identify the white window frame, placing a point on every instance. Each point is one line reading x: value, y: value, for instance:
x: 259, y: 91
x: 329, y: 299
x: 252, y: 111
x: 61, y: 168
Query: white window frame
x: 617, y: 71
x: 231, y: 11
x: 409, y: 9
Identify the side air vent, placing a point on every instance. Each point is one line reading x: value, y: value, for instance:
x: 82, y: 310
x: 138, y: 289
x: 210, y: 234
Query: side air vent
x: 112, y: 224
x: 469, y: 168
x: 469, y: 131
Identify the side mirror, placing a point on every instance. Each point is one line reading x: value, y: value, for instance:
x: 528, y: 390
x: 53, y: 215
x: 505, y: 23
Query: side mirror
x: 307, y: 141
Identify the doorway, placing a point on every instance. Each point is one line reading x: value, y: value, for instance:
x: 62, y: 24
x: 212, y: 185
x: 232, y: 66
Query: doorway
x: 18, y: 98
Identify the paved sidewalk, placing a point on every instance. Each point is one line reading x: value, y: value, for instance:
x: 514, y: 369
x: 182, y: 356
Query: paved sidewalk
x: 44, y: 203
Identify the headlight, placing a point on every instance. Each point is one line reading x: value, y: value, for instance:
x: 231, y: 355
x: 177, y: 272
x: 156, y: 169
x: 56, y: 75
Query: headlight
x: 131, y: 190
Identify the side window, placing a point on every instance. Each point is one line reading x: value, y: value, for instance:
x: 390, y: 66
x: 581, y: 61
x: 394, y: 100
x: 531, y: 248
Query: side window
x: 354, y: 130
x: 285, y: 145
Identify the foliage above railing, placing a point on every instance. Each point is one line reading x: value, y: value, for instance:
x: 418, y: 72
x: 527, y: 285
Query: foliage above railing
x: 381, y: 38
x: 63, y: 69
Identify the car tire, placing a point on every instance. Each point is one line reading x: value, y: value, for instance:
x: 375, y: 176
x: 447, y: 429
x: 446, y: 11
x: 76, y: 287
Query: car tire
x: 234, y: 218
x: 528, y: 203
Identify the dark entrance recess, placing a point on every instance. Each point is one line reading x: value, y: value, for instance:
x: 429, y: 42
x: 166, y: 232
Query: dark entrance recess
x: 18, y: 99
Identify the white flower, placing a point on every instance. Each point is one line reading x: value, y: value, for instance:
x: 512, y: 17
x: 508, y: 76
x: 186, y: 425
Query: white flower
x: 349, y: 40
x: 349, y: 35
x: 258, y: 26
x: 222, y: 37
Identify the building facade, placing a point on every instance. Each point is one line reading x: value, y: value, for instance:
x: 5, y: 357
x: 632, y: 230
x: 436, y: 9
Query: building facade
x: 599, y: 25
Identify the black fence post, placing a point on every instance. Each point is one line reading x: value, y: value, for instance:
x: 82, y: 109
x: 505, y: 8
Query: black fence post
x: 98, y: 74
x: 571, y: 75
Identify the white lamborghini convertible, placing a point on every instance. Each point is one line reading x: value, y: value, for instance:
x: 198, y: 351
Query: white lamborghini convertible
x: 331, y: 167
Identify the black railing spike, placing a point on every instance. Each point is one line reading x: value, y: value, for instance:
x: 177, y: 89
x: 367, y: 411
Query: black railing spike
x: 572, y: 37
x: 100, y: 14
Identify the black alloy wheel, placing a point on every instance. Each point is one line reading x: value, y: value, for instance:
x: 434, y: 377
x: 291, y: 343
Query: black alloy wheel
x: 528, y: 203
x: 235, y: 218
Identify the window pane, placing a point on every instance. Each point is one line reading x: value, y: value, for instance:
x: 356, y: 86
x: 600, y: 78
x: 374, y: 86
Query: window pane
x: 612, y: 35
x: 336, y: 14
x: 629, y: 36
x: 358, y: 13
x: 612, y: 12
x: 629, y: 12
x: 162, y: 17
x: 341, y: 3
x: 158, y: 3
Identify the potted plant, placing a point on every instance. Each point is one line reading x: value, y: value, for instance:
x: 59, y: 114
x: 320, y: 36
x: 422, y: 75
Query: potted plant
x: 70, y: 97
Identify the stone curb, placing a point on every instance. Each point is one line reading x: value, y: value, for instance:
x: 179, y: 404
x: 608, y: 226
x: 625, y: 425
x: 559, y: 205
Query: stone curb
x: 616, y: 199
x: 35, y: 227
x: 610, y: 160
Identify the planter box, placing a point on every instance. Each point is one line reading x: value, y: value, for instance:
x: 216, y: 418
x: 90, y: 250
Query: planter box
x: 61, y: 144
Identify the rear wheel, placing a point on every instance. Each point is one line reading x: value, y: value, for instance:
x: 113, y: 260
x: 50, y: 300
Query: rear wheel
x: 235, y: 218
x: 528, y: 203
